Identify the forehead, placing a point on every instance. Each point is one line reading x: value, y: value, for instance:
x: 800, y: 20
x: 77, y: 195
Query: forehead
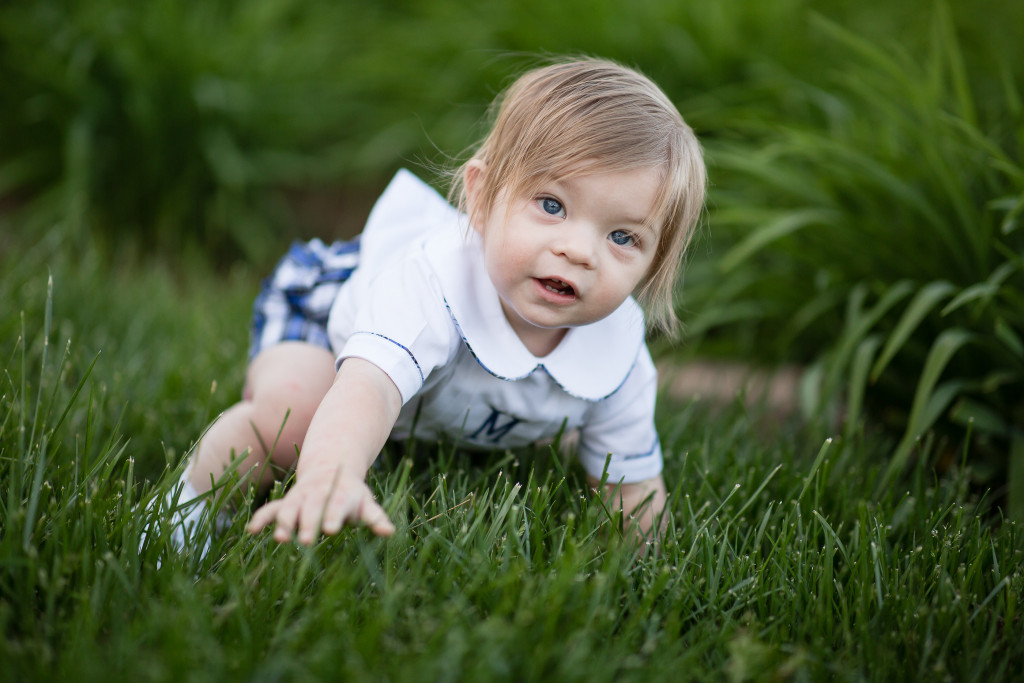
x: 633, y: 195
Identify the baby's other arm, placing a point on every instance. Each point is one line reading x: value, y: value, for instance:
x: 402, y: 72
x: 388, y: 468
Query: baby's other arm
x: 345, y: 436
x: 642, y: 503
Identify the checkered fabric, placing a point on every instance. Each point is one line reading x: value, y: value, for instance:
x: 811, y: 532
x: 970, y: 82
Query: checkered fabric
x: 295, y: 300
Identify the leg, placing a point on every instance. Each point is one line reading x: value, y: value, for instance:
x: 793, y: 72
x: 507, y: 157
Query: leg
x: 287, y: 379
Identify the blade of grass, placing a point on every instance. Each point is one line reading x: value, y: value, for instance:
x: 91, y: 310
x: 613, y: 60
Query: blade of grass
x: 942, y: 351
x: 47, y: 324
x: 858, y: 325
x: 859, y: 371
x: 784, y: 225
x: 926, y: 299
x: 1015, y: 480
x: 755, y: 494
x: 982, y: 290
x: 820, y: 458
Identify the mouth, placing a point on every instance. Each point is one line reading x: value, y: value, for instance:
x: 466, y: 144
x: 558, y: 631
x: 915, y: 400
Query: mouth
x: 556, y: 286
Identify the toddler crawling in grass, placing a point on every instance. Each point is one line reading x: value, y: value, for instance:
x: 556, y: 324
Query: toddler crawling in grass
x: 493, y: 324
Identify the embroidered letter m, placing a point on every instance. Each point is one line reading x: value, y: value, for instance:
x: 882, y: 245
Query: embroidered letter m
x: 491, y: 430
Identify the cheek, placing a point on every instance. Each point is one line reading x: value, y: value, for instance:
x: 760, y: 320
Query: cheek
x: 509, y: 254
x: 642, y: 271
x: 626, y: 280
x: 502, y: 264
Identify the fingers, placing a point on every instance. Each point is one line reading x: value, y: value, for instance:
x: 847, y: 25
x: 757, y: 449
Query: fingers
x: 303, y: 515
x: 282, y: 514
x: 262, y: 517
x: 310, y: 513
x: 341, y: 507
x: 356, y: 507
x: 373, y: 515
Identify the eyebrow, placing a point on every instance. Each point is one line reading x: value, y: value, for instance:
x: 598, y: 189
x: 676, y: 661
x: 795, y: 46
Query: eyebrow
x: 643, y: 222
x: 569, y: 184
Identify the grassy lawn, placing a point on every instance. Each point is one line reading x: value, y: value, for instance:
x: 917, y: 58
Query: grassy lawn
x: 865, y: 222
x: 780, y: 560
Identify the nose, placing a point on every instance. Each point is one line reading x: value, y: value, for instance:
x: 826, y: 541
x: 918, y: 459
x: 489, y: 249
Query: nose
x: 576, y: 245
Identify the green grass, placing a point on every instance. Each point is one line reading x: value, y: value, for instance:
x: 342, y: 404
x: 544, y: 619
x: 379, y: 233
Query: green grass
x: 779, y: 560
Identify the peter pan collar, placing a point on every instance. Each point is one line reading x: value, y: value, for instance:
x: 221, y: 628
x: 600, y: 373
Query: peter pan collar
x: 591, y: 362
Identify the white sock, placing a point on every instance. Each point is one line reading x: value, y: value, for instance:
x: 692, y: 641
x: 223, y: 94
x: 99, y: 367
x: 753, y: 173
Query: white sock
x: 186, y: 517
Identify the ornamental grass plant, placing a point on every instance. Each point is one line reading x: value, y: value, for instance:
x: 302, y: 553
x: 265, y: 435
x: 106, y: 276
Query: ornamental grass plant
x: 879, y: 242
x: 192, y: 128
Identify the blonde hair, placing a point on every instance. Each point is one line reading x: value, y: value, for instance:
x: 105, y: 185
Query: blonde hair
x: 584, y: 115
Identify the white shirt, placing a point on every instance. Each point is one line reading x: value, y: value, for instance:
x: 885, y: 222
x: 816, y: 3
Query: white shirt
x: 422, y: 308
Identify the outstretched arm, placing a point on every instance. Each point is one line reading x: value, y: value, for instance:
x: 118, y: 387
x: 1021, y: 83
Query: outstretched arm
x: 641, y: 502
x: 345, y: 436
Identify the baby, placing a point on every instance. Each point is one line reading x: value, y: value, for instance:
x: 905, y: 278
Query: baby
x: 493, y: 324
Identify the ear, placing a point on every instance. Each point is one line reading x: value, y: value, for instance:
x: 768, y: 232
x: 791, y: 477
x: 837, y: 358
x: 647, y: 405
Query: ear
x: 472, y: 180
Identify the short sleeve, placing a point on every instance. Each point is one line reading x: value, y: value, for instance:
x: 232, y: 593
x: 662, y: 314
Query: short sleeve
x: 402, y: 326
x: 619, y: 430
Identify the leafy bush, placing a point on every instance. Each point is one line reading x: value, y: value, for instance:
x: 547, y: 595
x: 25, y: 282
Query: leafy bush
x: 879, y: 240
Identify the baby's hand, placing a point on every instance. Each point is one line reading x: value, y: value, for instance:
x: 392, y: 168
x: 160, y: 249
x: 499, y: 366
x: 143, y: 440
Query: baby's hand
x: 321, y: 503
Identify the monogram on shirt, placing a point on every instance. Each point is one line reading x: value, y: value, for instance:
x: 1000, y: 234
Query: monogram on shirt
x: 496, y: 427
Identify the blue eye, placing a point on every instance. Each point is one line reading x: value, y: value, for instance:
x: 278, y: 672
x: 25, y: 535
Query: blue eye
x: 551, y: 206
x: 622, y: 238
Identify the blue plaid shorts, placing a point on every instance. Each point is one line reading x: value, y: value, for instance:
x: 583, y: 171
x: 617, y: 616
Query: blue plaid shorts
x: 295, y: 300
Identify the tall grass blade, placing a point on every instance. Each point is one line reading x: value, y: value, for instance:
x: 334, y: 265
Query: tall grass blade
x: 47, y: 323
x: 926, y: 299
x: 831, y: 534
x: 944, y: 348
x: 755, y: 494
x: 859, y: 372
x: 35, y: 490
x: 1010, y: 339
x: 782, y: 226
x: 1011, y: 221
x: 1015, y: 480
x: 979, y: 417
x: 941, y: 398
x: 876, y: 565
x: 809, y: 477
x: 949, y: 45
x: 858, y: 325
x: 1002, y: 585
x: 981, y: 290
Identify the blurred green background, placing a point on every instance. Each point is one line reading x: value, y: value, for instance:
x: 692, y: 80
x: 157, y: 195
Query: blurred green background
x: 866, y: 163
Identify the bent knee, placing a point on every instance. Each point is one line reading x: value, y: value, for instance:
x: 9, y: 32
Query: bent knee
x: 285, y: 386
x: 282, y: 417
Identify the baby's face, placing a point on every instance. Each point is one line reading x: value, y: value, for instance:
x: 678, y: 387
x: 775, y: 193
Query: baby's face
x: 570, y: 254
